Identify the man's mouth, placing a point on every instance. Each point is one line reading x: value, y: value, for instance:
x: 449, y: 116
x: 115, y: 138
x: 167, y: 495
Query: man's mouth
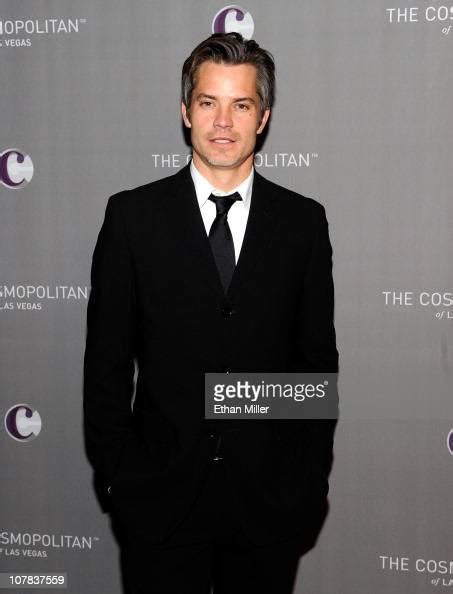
x: 222, y: 140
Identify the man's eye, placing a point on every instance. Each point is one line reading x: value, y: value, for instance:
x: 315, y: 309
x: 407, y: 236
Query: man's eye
x: 206, y: 103
x: 243, y: 107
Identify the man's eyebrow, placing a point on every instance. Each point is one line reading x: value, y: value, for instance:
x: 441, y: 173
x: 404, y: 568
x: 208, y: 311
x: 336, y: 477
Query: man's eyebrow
x: 214, y: 98
x: 241, y: 99
x: 204, y: 96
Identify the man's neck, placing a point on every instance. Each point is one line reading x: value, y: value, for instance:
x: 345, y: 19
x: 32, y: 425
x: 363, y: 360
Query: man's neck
x: 224, y: 179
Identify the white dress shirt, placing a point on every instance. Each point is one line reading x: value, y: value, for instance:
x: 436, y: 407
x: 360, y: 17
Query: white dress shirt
x: 238, y: 213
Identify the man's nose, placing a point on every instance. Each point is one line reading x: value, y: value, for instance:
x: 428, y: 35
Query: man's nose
x: 223, y: 118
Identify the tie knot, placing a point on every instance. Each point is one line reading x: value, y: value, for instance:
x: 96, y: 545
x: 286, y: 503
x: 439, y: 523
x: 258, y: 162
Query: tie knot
x: 224, y: 203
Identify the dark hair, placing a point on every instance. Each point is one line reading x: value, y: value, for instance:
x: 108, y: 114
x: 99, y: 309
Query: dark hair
x: 231, y: 48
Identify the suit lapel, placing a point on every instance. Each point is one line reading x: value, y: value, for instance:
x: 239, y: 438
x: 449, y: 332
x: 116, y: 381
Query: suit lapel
x: 187, y: 223
x: 261, y: 228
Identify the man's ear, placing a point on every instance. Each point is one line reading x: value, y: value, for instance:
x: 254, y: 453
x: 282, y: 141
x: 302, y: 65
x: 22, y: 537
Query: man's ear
x: 262, y: 123
x: 185, y: 116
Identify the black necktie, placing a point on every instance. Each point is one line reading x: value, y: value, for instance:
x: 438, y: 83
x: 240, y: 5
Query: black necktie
x: 221, y: 239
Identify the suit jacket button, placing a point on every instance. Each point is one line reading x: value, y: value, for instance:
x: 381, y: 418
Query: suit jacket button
x: 227, y: 312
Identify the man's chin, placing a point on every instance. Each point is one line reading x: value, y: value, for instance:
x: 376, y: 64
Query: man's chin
x: 223, y: 162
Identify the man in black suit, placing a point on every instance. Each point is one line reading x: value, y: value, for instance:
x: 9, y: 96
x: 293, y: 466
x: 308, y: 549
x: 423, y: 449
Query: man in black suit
x: 214, y: 269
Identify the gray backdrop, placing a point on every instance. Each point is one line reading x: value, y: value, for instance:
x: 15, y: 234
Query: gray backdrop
x: 90, y: 103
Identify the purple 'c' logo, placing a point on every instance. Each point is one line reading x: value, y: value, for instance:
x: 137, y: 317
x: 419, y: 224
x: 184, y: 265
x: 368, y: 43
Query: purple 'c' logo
x: 233, y: 18
x: 22, y: 422
x: 16, y: 168
x: 450, y: 441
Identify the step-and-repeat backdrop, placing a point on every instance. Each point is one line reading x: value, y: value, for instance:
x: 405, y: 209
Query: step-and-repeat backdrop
x: 89, y: 95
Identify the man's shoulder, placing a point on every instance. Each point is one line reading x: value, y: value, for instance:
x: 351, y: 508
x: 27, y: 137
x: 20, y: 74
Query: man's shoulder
x: 291, y: 201
x: 150, y: 193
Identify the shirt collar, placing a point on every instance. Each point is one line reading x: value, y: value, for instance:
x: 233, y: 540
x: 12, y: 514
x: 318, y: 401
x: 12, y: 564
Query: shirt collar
x: 204, y: 188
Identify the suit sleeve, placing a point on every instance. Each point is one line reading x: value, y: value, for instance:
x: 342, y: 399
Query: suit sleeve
x: 316, y: 341
x: 316, y: 350
x: 109, y: 355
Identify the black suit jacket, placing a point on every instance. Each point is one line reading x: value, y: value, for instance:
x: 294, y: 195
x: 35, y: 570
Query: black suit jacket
x: 156, y: 297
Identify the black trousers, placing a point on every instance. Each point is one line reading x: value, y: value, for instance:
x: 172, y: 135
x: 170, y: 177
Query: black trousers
x: 208, y: 551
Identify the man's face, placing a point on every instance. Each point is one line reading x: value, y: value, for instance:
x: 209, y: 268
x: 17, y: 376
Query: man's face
x: 224, y: 115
